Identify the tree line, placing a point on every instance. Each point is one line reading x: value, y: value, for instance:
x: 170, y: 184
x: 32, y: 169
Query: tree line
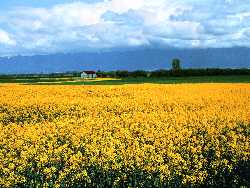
x: 175, y: 71
x: 171, y: 73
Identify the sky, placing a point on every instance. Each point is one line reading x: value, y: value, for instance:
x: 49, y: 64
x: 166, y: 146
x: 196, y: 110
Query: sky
x: 60, y: 26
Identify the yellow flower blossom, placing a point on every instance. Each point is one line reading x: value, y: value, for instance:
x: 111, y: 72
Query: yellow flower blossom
x: 122, y: 136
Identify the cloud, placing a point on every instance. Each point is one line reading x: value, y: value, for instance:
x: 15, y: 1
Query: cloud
x: 85, y: 25
x: 5, y: 38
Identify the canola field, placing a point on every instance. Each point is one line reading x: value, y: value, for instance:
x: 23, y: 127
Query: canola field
x: 146, y: 135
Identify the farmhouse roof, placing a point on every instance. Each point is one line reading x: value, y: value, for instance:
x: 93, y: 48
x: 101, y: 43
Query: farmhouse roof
x: 89, y: 72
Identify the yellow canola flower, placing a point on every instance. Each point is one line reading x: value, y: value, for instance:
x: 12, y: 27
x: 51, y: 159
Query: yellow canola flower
x: 123, y: 136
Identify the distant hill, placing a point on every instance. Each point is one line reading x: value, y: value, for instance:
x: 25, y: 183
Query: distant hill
x: 146, y: 59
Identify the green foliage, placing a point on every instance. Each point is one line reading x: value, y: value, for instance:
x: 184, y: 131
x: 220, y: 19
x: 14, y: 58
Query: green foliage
x: 176, y: 65
x: 139, y: 73
x: 161, y: 73
x: 122, y: 74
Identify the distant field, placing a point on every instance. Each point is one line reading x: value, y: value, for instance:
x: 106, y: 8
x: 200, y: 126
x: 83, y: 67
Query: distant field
x: 105, y: 81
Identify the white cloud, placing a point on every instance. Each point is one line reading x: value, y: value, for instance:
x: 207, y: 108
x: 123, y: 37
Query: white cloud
x: 5, y: 38
x: 124, y: 23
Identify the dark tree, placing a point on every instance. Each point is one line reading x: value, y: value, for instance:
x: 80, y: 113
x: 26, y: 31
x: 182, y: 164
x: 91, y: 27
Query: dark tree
x: 176, y: 65
x: 139, y: 73
x: 122, y: 73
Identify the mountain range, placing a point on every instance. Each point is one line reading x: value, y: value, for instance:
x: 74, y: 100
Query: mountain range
x: 136, y: 59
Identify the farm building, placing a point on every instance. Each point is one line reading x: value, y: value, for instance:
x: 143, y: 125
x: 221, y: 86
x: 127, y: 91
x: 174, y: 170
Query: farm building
x: 88, y: 74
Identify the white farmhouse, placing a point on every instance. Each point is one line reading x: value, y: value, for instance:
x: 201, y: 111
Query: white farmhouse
x: 88, y: 74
